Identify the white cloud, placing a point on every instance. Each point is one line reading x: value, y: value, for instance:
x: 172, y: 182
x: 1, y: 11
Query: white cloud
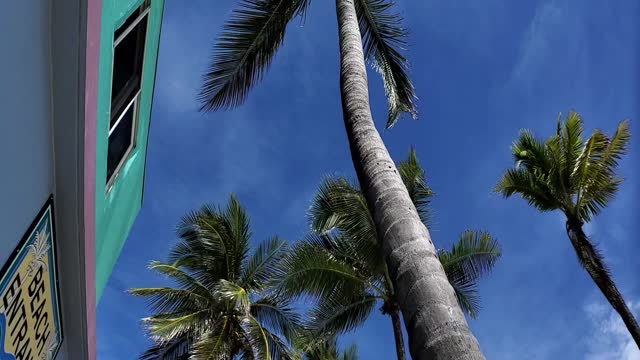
x: 537, y: 42
x: 553, y: 47
x: 609, y: 339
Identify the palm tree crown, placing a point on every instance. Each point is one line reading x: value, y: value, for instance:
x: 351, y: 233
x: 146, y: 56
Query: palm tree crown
x: 342, y: 265
x: 256, y: 31
x: 222, y: 307
x: 565, y: 172
x: 579, y: 178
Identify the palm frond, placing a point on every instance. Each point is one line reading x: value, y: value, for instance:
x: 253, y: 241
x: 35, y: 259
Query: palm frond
x: 533, y: 189
x: 184, y: 280
x: 309, y: 270
x: 557, y: 178
x: 600, y: 186
x: 263, y: 264
x: 278, y: 347
x: 532, y: 154
x: 162, y: 300
x: 474, y: 255
x: 318, y: 346
x: 177, y: 349
x: 466, y: 293
x: 596, y: 197
x: 235, y: 295
x: 245, y: 49
x: 307, y: 343
x: 587, y: 162
x: 616, y: 147
x: 361, y: 255
x: 571, y: 139
x: 215, y: 343
x: 245, y: 354
x: 237, y: 221
x: 258, y: 338
x: 338, y: 315
x: 165, y: 328
x: 206, y: 223
x: 321, y: 346
x: 383, y: 38
x: 342, y: 206
x: 414, y: 179
x: 328, y: 352
x: 350, y: 353
x: 202, y: 246
x: 335, y: 198
x: 276, y: 314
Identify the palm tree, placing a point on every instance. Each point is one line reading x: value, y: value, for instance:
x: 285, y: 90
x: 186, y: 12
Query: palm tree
x: 222, y: 307
x: 367, y: 31
x: 578, y: 178
x: 341, y: 263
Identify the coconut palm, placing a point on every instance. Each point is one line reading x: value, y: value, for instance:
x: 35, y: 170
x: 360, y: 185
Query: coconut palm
x: 578, y: 178
x: 342, y: 266
x: 221, y: 307
x: 367, y: 30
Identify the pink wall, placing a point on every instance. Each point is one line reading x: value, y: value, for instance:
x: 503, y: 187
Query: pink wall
x: 94, y: 14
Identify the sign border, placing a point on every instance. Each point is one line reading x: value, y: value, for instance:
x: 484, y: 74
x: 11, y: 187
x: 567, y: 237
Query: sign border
x: 25, y: 238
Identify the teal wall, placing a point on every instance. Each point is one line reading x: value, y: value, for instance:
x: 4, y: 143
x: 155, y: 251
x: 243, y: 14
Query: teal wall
x: 117, y: 210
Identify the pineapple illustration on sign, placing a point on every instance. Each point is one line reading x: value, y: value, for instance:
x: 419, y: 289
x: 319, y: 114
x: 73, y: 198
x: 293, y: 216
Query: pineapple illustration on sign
x: 30, y: 325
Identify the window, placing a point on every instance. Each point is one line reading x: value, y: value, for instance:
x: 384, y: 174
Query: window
x: 128, y: 58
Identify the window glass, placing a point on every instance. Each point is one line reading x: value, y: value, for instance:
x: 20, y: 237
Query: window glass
x: 127, y: 66
x: 127, y: 23
x: 120, y: 141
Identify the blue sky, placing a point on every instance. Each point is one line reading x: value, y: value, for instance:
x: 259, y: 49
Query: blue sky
x: 482, y: 70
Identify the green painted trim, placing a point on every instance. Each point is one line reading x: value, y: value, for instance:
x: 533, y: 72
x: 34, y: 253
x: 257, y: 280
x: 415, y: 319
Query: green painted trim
x: 116, y: 211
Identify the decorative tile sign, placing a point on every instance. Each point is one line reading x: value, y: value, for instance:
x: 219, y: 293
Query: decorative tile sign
x: 29, y: 314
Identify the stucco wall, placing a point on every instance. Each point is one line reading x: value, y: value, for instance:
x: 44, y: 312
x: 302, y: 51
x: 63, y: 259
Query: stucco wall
x: 26, y: 178
x: 41, y: 141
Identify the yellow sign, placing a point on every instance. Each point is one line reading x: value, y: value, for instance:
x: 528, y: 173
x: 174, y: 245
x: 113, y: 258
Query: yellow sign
x: 29, y: 314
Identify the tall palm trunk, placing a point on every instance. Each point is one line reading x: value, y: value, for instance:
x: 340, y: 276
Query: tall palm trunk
x: 397, y: 334
x: 592, y: 262
x: 435, y: 324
